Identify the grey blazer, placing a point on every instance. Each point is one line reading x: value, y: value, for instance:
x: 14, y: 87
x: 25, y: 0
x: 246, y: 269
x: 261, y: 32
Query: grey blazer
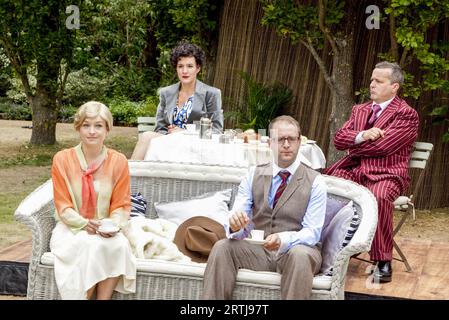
x: 206, y: 101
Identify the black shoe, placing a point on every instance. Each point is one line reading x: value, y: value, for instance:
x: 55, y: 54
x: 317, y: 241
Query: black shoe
x: 383, y: 272
x: 373, y: 267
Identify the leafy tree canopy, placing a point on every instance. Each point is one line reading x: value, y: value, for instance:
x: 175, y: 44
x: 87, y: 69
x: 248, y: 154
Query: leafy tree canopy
x: 127, y: 33
x: 302, y: 21
x: 413, y: 20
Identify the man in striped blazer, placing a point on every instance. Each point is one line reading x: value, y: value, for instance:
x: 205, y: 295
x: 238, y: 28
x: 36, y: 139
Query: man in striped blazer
x: 379, y: 138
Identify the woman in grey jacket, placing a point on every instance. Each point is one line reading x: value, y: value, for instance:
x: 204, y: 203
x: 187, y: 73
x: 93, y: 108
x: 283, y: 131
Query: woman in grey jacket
x: 183, y: 102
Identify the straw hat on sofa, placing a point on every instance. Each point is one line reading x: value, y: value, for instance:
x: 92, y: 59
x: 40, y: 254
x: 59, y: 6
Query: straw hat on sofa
x: 196, y: 236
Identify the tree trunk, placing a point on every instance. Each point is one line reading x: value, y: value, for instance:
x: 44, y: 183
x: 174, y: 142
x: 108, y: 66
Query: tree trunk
x: 43, y: 104
x: 342, y: 96
x: 212, y: 38
x: 44, y: 118
x: 151, y: 52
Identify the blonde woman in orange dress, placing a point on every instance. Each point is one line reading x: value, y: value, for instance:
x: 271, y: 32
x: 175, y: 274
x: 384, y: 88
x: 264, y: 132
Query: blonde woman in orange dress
x: 90, y: 183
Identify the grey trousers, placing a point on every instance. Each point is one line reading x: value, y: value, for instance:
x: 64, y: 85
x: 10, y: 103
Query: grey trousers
x: 297, y: 268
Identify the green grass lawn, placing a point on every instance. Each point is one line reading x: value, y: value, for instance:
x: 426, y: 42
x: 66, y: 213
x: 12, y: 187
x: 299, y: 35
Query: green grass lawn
x: 30, y: 155
x: 9, y: 204
x: 16, y: 188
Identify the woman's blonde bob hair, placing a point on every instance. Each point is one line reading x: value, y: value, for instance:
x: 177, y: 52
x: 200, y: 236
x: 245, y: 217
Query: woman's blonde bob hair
x: 93, y: 109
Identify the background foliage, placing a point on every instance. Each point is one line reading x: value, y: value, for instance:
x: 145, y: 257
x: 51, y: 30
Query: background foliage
x: 262, y: 103
x: 120, y: 54
x: 413, y: 21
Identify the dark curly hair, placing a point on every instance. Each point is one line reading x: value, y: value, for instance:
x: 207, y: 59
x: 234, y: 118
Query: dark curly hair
x: 186, y: 49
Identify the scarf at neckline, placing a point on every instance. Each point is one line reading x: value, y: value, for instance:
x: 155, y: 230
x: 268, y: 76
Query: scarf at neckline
x: 89, y: 196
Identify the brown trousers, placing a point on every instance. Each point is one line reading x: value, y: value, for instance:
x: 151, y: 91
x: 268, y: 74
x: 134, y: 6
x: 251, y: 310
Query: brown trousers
x: 297, y: 267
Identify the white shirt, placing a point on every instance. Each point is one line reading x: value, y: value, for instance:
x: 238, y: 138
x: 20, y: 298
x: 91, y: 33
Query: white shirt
x: 383, y: 105
x: 313, y: 220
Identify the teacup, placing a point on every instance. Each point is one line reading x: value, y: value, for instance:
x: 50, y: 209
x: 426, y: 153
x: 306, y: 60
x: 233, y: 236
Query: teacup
x: 257, y: 234
x: 107, y: 224
x: 216, y: 138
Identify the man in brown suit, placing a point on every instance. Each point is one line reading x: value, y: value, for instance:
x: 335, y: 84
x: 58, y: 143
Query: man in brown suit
x: 285, y: 199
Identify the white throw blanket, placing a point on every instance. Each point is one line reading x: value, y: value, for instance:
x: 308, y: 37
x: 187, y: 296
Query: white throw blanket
x: 153, y: 239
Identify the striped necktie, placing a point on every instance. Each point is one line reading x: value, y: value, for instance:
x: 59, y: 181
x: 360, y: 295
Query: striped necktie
x: 284, y: 176
x: 372, y: 119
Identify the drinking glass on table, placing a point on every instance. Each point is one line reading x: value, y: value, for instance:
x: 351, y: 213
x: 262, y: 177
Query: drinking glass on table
x: 197, y: 125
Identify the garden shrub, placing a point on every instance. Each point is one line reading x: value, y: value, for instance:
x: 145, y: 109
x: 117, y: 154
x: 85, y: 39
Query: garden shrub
x: 125, y: 112
x: 13, y: 111
x: 16, y: 93
x: 82, y: 87
x: 66, y: 113
x: 151, y: 104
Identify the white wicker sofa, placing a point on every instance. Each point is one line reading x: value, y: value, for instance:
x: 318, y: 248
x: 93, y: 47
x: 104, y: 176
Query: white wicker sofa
x: 156, y: 279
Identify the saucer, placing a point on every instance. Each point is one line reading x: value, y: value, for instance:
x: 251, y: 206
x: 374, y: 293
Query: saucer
x: 311, y: 141
x: 261, y: 242
x: 108, y: 230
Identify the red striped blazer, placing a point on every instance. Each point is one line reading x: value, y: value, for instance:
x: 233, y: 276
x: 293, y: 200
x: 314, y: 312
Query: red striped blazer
x: 387, y: 157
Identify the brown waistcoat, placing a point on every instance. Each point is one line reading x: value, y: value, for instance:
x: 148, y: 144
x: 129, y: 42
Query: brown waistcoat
x: 290, y: 209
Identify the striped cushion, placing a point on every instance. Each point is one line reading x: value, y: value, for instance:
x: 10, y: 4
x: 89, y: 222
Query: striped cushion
x: 138, y: 205
x: 351, y: 230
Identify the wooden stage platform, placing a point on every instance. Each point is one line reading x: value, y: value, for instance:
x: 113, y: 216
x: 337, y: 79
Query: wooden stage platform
x: 428, y: 280
x: 18, y: 252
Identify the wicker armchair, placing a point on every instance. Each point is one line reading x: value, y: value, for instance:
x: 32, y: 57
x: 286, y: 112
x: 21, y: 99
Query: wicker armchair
x: 156, y: 279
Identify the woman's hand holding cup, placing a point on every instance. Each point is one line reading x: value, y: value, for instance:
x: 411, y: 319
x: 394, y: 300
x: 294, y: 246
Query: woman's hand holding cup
x: 107, y: 224
x: 92, y: 226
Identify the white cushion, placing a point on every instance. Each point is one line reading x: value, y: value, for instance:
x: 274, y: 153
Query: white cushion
x: 193, y: 269
x: 333, y: 236
x: 333, y: 206
x: 214, y: 206
x: 47, y: 259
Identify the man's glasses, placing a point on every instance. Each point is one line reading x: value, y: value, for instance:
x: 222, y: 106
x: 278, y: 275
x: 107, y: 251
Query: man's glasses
x: 281, y: 140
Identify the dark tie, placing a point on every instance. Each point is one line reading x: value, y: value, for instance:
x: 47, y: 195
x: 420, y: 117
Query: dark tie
x: 376, y: 108
x: 284, y: 176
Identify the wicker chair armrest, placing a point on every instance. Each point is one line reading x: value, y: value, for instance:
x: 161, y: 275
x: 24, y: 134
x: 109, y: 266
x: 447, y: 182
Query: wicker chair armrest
x: 361, y: 241
x: 37, y: 212
x: 363, y: 198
